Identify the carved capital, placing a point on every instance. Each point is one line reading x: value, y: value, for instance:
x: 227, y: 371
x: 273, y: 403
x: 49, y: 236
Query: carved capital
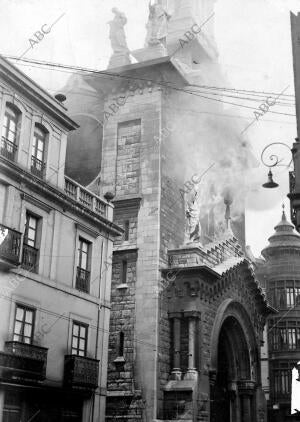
x: 247, y: 387
x: 173, y: 315
x: 192, y: 314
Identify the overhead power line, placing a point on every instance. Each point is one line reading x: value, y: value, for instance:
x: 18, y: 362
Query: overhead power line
x: 90, y: 72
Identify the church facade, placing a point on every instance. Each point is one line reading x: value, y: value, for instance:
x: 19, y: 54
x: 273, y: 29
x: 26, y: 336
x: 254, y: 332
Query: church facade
x: 187, y: 314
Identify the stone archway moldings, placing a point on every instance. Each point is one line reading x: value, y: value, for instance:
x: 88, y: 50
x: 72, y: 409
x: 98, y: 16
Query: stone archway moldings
x: 231, y: 308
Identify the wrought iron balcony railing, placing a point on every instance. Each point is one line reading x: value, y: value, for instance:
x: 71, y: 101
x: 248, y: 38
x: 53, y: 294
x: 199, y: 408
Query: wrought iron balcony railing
x: 85, y: 197
x: 81, y: 372
x: 10, y: 242
x: 8, y: 149
x: 83, y: 280
x: 30, y: 257
x: 37, y: 167
x: 26, y: 361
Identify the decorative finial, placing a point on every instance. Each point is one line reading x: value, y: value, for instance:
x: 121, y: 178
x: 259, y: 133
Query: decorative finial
x: 283, y: 213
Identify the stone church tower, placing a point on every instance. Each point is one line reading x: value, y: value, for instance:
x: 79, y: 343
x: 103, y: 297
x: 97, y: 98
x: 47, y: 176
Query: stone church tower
x: 187, y: 314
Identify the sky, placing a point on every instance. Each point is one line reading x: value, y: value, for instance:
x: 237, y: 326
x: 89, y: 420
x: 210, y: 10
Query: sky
x: 254, y: 44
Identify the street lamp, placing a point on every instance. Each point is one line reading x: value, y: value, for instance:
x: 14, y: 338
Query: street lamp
x: 273, y: 162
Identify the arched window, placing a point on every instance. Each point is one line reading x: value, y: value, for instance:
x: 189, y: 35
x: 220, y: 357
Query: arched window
x: 10, y: 131
x: 38, y: 150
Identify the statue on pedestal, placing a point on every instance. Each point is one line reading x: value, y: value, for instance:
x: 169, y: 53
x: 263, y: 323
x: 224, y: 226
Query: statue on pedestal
x: 193, y: 226
x: 118, y: 39
x: 116, y: 33
x: 157, y: 26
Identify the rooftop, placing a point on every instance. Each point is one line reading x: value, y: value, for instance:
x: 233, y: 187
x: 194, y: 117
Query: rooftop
x: 285, y: 236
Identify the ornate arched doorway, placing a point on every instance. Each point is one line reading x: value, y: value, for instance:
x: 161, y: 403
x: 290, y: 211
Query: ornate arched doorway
x: 234, y: 377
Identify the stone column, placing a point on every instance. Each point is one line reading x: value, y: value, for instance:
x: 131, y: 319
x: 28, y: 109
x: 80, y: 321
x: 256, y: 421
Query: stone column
x: 246, y: 391
x: 192, y: 324
x: 176, y: 371
x: 232, y: 389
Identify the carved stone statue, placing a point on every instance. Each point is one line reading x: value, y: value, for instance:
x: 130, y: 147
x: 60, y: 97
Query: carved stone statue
x: 121, y: 54
x: 157, y: 26
x: 117, y: 34
x: 193, y: 226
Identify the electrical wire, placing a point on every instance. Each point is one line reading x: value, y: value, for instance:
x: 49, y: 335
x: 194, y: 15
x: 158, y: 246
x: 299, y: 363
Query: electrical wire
x: 113, y: 75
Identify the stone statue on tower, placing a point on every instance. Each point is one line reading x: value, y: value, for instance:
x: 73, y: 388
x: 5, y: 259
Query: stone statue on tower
x: 118, y: 39
x: 193, y: 226
x: 157, y: 25
x: 117, y: 34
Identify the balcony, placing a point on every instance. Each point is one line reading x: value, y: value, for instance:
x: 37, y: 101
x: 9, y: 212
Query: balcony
x: 85, y: 197
x: 23, y: 361
x: 10, y: 242
x: 37, y: 167
x: 30, y: 258
x: 8, y: 149
x: 81, y: 372
x: 82, y: 280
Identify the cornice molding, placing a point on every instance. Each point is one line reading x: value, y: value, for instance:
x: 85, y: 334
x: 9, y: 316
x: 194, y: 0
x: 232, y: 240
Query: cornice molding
x: 31, y: 90
x: 34, y: 201
x: 87, y: 230
x: 53, y: 193
x: 128, y: 202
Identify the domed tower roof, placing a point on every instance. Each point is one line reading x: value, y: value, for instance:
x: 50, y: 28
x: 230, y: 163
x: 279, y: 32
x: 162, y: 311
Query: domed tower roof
x: 284, y: 237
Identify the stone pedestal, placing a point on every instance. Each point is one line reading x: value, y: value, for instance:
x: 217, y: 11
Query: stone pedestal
x: 150, y: 53
x: 118, y: 60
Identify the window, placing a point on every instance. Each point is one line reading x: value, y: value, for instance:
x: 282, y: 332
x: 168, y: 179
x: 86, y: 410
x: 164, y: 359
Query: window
x: 83, y: 273
x: 121, y: 344
x: 126, y: 230
x: 83, y: 254
x: 284, y: 293
x: 30, y: 251
x: 124, y: 272
x: 290, y: 299
x: 128, y: 145
x: 281, y: 374
x: 284, y: 335
x: 24, y: 323
x: 79, y: 339
x: 38, y: 151
x: 10, y: 131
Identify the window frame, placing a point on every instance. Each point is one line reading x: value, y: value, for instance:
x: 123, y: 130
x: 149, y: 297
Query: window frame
x: 37, y: 240
x: 126, y: 229
x: 285, y: 336
x: 82, y: 240
x: 124, y: 269
x: 40, y: 133
x: 80, y: 325
x: 121, y: 345
x: 27, y: 227
x: 284, y: 294
x: 17, y: 113
x: 281, y: 375
x: 23, y: 322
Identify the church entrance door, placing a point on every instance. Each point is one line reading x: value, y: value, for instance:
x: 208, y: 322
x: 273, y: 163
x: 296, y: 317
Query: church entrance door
x: 231, y: 393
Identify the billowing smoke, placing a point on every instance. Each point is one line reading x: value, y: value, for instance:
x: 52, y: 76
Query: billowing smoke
x: 204, y: 133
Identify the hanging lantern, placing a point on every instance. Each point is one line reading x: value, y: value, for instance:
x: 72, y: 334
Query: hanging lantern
x: 273, y: 161
x: 270, y: 183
